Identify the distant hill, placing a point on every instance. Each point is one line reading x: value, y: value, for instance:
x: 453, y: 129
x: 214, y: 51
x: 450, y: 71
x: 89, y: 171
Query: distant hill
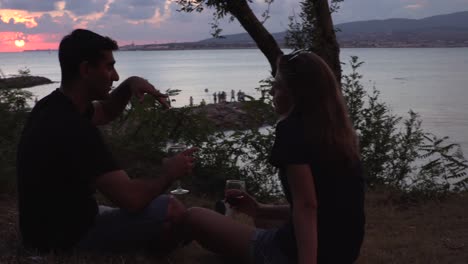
x: 431, y: 30
x: 451, y: 22
x: 450, y: 30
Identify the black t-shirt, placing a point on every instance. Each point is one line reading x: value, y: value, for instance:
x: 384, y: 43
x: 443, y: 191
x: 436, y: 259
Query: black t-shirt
x: 340, y: 195
x: 60, y: 154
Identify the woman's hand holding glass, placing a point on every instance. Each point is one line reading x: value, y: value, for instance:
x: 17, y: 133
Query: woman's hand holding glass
x: 242, y: 202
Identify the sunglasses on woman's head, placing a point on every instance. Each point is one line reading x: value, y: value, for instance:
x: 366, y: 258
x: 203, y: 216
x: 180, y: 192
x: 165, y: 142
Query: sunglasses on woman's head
x: 296, y: 53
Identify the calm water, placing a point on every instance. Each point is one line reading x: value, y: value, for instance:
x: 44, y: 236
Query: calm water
x: 432, y: 82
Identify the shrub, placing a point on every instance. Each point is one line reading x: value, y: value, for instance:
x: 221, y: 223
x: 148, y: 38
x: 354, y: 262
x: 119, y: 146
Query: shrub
x: 13, y: 112
x: 143, y: 131
x: 25, y: 71
x: 397, y: 151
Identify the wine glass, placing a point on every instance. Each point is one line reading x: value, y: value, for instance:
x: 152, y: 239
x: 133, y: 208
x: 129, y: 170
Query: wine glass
x: 233, y: 201
x: 172, y: 151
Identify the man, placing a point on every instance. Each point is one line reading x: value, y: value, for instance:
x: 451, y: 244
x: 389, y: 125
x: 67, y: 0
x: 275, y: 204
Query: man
x: 62, y: 160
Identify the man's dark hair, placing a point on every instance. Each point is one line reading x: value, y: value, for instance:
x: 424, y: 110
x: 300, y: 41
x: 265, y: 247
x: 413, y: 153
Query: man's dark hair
x: 82, y: 45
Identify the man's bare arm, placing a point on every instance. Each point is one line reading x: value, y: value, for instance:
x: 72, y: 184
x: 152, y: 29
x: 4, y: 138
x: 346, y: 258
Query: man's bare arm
x: 131, y: 194
x: 135, y: 194
x: 110, y: 108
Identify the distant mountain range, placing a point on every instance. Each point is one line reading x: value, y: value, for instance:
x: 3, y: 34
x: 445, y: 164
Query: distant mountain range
x: 449, y: 30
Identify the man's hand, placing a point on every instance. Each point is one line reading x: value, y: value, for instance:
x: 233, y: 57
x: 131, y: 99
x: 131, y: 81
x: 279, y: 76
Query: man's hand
x: 179, y: 165
x: 139, y: 87
x: 108, y: 109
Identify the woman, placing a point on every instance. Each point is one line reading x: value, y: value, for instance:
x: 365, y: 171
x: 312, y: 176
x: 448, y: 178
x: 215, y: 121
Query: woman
x: 316, y: 151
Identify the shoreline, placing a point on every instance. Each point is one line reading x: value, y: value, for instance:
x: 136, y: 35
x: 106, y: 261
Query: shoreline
x: 422, y: 46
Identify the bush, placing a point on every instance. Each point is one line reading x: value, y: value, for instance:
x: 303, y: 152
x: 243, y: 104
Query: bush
x: 13, y: 112
x: 143, y: 131
x: 396, y: 151
x: 241, y: 155
x: 141, y: 134
x: 25, y: 71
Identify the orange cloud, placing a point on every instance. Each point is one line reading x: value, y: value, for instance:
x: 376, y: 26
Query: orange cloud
x: 30, y: 18
x: 19, y: 16
x: 415, y: 4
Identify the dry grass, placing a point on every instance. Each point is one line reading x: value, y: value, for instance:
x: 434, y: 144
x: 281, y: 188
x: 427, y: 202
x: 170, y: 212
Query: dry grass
x: 429, y: 232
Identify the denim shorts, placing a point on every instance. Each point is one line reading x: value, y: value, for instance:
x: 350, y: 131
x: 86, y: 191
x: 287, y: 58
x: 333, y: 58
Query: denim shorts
x: 118, y: 231
x: 265, y: 248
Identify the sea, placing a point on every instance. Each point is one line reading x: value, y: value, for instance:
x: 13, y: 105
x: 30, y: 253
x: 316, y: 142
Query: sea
x: 430, y: 81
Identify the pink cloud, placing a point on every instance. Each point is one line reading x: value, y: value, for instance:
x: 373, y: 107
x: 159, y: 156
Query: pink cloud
x: 414, y: 6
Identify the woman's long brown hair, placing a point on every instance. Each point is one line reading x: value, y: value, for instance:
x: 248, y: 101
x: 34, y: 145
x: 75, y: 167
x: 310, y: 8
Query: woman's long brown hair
x: 319, y: 102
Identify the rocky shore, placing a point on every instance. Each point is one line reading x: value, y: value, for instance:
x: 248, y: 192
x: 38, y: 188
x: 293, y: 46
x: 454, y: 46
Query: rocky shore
x: 23, y: 81
x: 237, y: 115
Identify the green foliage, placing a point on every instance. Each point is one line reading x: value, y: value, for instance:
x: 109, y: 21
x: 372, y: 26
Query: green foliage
x: 335, y: 5
x: 303, y: 30
x: 25, y: 71
x: 266, y: 14
x: 302, y: 33
x: 13, y: 112
x: 396, y: 151
x: 215, y: 28
x: 237, y: 155
x: 264, y: 89
x: 145, y: 128
x: 140, y: 135
x: 2, y: 75
x: 240, y: 154
x: 446, y: 163
x: 373, y: 122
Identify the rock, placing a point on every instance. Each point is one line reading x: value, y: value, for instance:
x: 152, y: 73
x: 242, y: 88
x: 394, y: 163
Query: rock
x: 237, y: 115
x: 23, y: 81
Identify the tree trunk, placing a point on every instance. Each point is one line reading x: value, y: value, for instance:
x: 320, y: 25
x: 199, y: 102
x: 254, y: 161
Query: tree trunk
x: 265, y: 41
x: 328, y: 47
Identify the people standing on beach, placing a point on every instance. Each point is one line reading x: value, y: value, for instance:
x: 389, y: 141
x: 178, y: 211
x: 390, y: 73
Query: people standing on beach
x: 191, y: 101
x: 239, y: 95
x: 316, y: 151
x: 223, y: 93
x: 233, y: 96
x: 221, y: 97
x: 62, y: 159
x: 215, y: 97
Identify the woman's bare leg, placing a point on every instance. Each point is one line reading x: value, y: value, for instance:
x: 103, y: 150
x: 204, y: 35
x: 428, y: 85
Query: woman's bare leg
x: 219, y: 233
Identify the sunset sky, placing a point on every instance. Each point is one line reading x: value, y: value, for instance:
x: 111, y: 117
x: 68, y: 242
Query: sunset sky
x: 40, y: 24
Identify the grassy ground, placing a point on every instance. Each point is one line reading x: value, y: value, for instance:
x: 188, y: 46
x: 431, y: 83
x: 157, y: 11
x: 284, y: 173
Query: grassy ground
x: 396, y: 232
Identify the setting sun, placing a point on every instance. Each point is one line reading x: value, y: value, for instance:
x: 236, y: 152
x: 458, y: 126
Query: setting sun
x: 19, y: 43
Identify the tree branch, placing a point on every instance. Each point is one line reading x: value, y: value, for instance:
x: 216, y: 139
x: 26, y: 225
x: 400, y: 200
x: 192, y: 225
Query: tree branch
x: 241, y: 10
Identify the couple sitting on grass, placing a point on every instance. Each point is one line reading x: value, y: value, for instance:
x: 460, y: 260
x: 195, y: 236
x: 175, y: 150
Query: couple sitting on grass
x: 62, y: 160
